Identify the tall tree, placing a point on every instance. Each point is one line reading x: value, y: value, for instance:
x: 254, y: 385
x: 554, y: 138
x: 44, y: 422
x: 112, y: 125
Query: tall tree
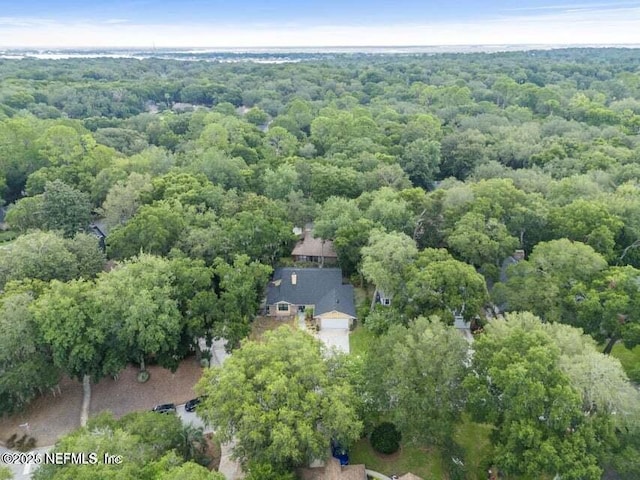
x: 149, y: 446
x: 543, y: 283
x: 414, y: 374
x: 279, y: 401
x: 40, y: 255
x: 138, y: 301
x: 25, y: 362
x: 124, y: 199
x: 609, y: 308
x: 439, y: 284
x: 81, y: 342
x: 589, y: 222
x: 482, y: 241
x: 385, y: 259
x: 65, y: 208
x: 239, y: 287
x: 47, y: 256
x: 154, y: 229
x: 421, y: 161
x: 518, y: 385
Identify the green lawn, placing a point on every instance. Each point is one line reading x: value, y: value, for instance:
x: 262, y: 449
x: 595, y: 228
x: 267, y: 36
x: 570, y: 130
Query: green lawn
x: 630, y: 360
x: 360, y: 340
x: 424, y: 462
x: 474, y: 439
x: 361, y: 295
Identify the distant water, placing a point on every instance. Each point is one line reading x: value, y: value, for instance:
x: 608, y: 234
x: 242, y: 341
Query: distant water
x: 271, y: 55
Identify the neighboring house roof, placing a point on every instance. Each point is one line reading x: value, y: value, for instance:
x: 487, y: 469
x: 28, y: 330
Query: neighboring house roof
x: 321, y: 287
x: 333, y: 471
x: 101, y: 223
x: 517, y: 256
x: 410, y: 476
x: 310, y: 246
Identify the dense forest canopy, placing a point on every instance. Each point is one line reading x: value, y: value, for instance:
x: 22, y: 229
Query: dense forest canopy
x: 460, y: 185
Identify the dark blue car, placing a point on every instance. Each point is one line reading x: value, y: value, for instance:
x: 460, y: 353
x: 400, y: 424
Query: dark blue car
x: 340, y: 453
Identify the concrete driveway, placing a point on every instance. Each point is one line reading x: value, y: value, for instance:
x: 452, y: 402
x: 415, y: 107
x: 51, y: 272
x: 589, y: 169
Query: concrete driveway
x: 335, y: 338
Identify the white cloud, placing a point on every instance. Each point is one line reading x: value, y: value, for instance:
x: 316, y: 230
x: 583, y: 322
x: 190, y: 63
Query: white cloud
x: 581, y: 26
x: 575, y: 6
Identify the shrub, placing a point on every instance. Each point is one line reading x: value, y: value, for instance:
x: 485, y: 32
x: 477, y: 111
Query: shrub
x: 385, y: 438
x: 381, y: 318
x: 143, y: 376
x: 453, y: 460
x: 634, y: 373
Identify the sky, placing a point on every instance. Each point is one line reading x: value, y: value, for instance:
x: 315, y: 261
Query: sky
x: 310, y: 23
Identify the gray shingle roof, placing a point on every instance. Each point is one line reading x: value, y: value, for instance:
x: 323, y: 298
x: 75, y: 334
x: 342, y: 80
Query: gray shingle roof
x: 321, y: 287
x: 339, y: 299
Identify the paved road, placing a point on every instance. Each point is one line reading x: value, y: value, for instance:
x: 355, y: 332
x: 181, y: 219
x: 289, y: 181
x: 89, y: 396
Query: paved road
x: 192, y: 418
x: 24, y: 472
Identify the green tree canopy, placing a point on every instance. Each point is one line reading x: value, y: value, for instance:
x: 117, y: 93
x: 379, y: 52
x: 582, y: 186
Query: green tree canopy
x: 414, y: 375
x: 25, y: 362
x: 65, y: 208
x: 150, y: 447
x: 439, y: 284
x: 385, y: 259
x: 542, y: 284
x: 279, y: 401
x: 518, y: 384
x: 47, y: 256
x: 154, y: 229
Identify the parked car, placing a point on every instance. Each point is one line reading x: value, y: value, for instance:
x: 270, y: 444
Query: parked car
x: 191, y: 405
x: 340, y: 453
x: 164, y: 408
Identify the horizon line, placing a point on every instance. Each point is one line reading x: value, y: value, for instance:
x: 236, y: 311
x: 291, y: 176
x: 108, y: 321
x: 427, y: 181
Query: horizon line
x: 326, y: 47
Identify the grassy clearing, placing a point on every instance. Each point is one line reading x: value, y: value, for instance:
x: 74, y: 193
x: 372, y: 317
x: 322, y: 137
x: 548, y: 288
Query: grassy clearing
x: 630, y: 360
x: 360, y: 340
x: 474, y: 439
x: 424, y: 462
x: 361, y: 295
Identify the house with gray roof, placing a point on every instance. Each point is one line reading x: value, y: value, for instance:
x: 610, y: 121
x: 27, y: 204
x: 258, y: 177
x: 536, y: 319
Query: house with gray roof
x: 321, y: 290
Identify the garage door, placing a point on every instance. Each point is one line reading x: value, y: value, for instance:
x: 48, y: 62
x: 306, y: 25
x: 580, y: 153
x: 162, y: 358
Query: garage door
x: 330, y: 323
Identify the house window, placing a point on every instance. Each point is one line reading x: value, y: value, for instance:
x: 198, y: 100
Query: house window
x: 283, y: 307
x: 386, y: 301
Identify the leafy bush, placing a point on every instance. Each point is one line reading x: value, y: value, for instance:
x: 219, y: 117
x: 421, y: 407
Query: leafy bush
x: 453, y: 460
x: 385, y: 438
x: 261, y: 471
x: 381, y: 318
x: 634, y: 373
